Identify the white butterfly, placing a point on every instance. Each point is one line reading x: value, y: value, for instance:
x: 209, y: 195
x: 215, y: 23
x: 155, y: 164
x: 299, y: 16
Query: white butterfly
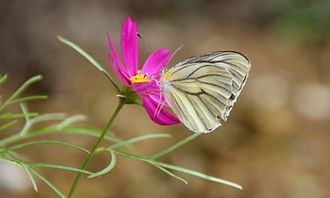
x: 202, y: 90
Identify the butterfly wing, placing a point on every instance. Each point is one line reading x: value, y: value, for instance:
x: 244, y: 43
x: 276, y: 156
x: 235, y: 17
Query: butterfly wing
x: 202, y: 90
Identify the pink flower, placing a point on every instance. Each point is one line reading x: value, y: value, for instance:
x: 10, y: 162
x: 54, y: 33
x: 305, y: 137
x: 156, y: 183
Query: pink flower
x: 141, y: 81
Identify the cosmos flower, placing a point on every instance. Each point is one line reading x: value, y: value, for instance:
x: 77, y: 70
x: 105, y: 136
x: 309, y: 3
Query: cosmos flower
x: 142, y: 81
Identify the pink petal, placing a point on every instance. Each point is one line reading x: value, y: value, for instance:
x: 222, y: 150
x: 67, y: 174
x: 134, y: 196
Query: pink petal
x: 145, y: 87
x: 116, y: 63
x: 129, y: 45
x: 155, y: 62
x: 152, y: 89
x: 159, y: 98
x: 162, y: 116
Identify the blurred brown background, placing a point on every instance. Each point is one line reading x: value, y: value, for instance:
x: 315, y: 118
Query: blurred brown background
x: 276, y: 142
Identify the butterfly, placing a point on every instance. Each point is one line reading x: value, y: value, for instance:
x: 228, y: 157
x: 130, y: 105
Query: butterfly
x: 202, y: 90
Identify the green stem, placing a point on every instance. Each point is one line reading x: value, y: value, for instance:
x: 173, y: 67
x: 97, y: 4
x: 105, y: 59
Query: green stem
x: 175, y: 146
x: 97, y: 144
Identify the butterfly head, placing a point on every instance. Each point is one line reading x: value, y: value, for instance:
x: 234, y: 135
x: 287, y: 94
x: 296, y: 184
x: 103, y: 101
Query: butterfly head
x: 165, y: 73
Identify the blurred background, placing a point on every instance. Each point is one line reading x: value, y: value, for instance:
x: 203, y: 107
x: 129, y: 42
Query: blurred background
x: 276, y: 142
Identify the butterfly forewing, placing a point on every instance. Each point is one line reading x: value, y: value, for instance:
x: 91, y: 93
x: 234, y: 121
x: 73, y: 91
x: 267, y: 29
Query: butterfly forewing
x: 202, y: 90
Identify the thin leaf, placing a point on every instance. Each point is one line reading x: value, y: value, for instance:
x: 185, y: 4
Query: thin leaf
x: 82, y: 52
x: 47, y: 182
x: 3, y: 78
x: 70, y: 120
x: 27, y: 123
x: 45, y: 165
x: 25, y: 110
x: 17, y: 115
x: 58, y: 167
x: 90, y: 59
x: 73, y: 130
x: 25, y: 85
x: 28, y: 172
x: 95, y: 132
x: 170, y: 173
x: 41, y: 118
x: 130, y: 155
x: 47, y: 130
x: 106, y: 169
x: 201, y: 175
x: 137, y: 139
x: 43, y: 142
x: 28, y: 99
x: 47, y: 117
x: 187, y: 171
x: 175, y: 146
x: 7, y: 125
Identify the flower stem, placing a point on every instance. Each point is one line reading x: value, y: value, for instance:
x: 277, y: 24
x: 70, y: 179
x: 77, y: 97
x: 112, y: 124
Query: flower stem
x: 93, y: 150
x: 175, y: 146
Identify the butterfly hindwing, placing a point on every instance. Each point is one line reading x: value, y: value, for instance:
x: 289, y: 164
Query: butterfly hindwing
x: 202, y: 90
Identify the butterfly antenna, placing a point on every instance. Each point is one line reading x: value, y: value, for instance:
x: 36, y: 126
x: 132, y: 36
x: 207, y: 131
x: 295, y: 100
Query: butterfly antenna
x: 152, y: 49
x: 175, y: 51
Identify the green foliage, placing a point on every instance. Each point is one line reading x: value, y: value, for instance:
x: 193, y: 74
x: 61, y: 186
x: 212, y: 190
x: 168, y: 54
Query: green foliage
x: 9, y: 119
x: 108, y: 168
x: 90, y: 59
x: 176, y: 168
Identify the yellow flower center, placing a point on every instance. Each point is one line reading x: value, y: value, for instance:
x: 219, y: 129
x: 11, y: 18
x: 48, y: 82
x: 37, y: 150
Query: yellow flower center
x: 139, y: 78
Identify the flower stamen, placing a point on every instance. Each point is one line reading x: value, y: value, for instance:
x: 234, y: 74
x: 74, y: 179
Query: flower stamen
x: 139, y: 78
